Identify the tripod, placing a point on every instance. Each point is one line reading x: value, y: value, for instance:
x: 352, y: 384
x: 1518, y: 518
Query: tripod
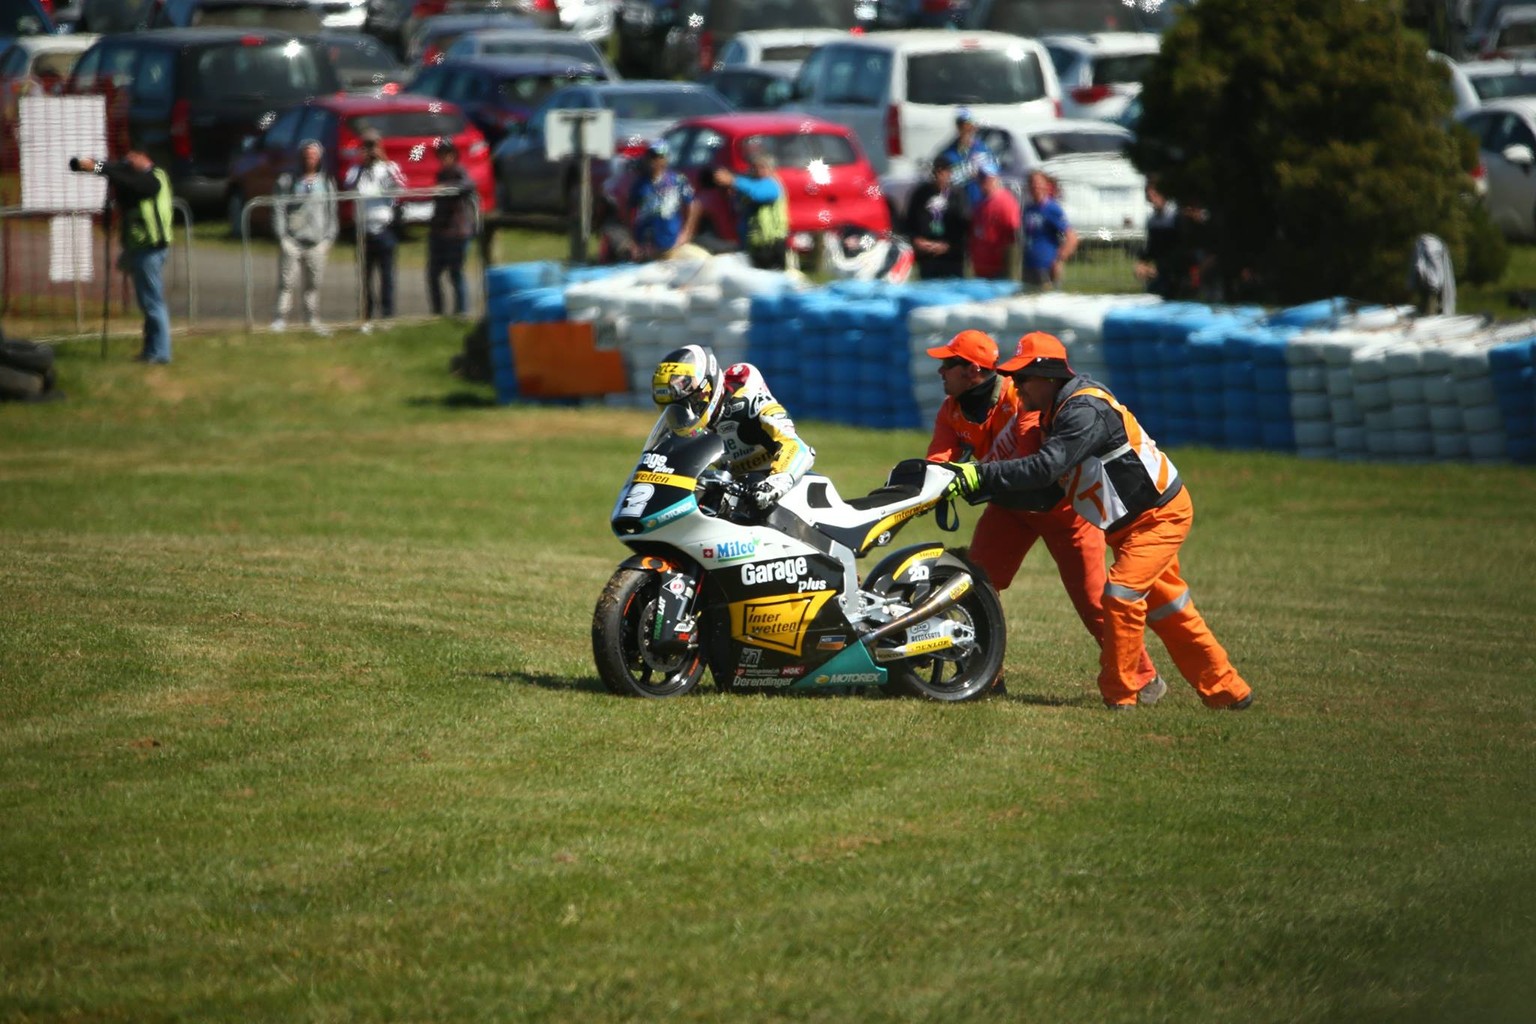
x: 106, y: 268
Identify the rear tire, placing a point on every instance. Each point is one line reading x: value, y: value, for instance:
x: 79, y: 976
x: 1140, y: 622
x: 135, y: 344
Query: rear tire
x: 621, y: 642
x: 954, y: 675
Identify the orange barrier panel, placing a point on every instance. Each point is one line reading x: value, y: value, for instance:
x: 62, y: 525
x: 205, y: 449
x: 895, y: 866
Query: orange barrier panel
x: 562, y: 360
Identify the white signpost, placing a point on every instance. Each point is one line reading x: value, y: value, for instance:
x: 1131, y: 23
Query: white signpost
x: 580, y: 134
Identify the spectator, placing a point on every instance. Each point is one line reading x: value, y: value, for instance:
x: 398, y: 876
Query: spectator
x: 1164, y: 260
x: 983, y: 419
x: 936, y: 224
x: 966, y: 154
x: 376, y: 178
x: 452, y: 226
x: 994, y: 226
x: 304, y: 220
x: 1049, y: 241
x: 142, y: 192
x: 663, y: 209
x: 762, y: 210
x: 1120, y: 481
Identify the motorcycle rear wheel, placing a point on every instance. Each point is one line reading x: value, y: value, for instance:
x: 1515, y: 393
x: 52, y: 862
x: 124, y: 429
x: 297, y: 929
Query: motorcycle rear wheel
x: 954, y: 676
x: 621, y: 642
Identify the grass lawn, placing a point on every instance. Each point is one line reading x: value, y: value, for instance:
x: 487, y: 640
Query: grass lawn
x: 298, y: 722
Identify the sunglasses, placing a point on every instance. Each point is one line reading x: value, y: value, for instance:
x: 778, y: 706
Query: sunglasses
x: 951, y: 362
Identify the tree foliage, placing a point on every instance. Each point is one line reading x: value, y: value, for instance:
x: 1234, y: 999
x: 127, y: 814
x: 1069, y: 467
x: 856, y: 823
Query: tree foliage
x: 1315, y: 133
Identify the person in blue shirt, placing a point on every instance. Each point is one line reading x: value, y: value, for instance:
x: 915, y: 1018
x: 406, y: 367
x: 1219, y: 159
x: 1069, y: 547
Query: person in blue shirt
x: 663, y: 208
x: 965, y: 155
x: 1049, y: 241
x: 762, y: 210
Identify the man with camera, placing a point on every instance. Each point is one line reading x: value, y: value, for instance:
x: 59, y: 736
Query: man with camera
x: 142, y: 192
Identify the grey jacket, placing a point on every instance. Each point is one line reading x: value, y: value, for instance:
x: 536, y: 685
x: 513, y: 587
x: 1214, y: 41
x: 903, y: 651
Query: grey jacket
x: 308, y: 216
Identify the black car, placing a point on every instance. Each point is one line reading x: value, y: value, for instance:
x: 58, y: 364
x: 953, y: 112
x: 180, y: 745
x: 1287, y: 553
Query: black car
x: 499, y: 93
x: 283, y: 15
x: 189, y: 97
x: 682, y: 38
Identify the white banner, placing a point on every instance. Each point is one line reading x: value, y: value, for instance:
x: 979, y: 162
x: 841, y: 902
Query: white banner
x: 53, y: 129
x: 69, y: 248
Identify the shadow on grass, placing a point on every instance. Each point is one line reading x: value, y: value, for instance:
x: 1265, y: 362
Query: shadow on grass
x: 454, y: 400
x: 1046, y: 700
x: 588, y: 684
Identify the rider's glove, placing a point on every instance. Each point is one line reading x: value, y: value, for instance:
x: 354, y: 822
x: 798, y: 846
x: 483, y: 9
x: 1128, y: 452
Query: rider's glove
x: 967, y: 479
x: 772, y: 488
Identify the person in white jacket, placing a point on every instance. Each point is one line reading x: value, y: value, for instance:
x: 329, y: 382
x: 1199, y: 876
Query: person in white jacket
x: 376, y: 179
x: 304, y: 220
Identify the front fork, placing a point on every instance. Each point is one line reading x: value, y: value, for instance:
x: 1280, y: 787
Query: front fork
x: 674, y: 625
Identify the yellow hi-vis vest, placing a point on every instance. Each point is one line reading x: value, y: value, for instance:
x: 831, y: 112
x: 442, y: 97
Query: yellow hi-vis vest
x: 769, y: 223
x: 148, y: 223
x: 1112, y: 489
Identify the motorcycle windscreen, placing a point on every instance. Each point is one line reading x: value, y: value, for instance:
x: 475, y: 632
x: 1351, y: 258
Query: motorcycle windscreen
x: 661, y: 488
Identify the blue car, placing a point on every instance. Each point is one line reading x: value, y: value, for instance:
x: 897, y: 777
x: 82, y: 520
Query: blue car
x: 499, y: 94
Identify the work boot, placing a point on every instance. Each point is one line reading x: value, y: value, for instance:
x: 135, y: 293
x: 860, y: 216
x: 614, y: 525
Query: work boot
x: 1241, y: 705
x: 1152, y: 692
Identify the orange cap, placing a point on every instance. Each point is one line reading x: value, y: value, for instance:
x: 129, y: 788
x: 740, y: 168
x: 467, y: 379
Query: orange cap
x: 1039, y: 355
x: 972, y: 346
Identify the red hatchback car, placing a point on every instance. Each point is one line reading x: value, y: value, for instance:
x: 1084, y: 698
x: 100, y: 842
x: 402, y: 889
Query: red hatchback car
x: 409, y: 126
x: 828, y: 179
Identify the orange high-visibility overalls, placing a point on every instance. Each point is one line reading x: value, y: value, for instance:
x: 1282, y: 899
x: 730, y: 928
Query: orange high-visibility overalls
x: 1110, y: 489
x: 1004, y: 535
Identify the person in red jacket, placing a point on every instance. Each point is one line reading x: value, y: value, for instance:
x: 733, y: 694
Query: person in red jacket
x: 995, y: 225
x: 1116, y: 477
x: 982, y: 418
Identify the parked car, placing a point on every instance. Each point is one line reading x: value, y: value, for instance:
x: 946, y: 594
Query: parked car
x: 385, y: 21
x: 1513, y: 34
x: 828, y: 181
x: 409, y: 126
x: 22, y: 18
x: 899, y: 91
x: 1506, y: 137
x: 779, y: 48
x: 527, y: 179
x: 1034, y: 18
x: 337, y: 15
x: 105, y: 17
x: 189, y: 96
x: 673, y: 38
x: 1474, y: 82
x: 763, y: 87
x: 281, y: 15
x: 427, y: 41
x: 41, y: 63
x: 530, y: 42
x: 500, y: 93
x: 363, y: 64
x: 1101, y: 73
x: 1483, y: 23
x: 1103, y: 194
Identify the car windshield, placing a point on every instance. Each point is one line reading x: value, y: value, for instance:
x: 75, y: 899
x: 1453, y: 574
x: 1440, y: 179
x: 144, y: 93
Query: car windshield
x: 1077, y: 142
x: 786, y: 53
x: 18, y: 18
x: 1497, y: 87
x: 1043, y: 17
x: 960, y: 77
x: 662, y: 105
x: 577, y: 48
x: 530, y: 90
x: 277, y: 74
x: 797, y: 151
x: 729, y: 17
x: 408, y: 124
x: 1131, y: 67
x: 362, y: 55
x: 285, y: 19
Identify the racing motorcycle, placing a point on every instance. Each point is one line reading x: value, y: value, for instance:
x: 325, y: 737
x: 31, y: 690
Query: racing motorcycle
x: 772, y: 601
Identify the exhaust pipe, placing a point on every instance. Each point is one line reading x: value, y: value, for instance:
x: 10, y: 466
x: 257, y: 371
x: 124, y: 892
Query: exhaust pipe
x: 942, y: 601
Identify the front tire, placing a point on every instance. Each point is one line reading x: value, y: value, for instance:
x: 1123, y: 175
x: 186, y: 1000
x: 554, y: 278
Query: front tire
x: 621, y: 642
x: 954, y: 675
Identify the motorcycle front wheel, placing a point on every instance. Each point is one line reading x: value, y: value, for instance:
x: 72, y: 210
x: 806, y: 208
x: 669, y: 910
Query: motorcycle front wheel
x: 621, y: 642
x: 954, y: 675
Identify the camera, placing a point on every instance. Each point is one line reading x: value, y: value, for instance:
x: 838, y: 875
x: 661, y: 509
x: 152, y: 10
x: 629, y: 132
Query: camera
x: 74, y: 165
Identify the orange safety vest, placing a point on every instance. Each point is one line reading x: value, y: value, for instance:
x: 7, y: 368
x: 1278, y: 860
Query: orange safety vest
x: 1112, y: 489
x: 1008, y: 432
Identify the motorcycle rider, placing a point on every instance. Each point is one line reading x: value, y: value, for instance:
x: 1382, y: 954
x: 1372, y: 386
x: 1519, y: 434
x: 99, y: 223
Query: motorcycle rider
x: 759, y: 436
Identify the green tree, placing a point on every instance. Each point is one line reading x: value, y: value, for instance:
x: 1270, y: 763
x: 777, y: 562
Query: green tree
x: 1315, y: 133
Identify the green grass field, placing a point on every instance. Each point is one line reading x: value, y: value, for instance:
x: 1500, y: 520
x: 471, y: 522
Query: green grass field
x: 298, y: 722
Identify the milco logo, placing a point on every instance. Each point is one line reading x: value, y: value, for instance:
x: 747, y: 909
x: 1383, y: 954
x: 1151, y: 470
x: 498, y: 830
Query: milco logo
x: 731, y: 550
x: 785, y: 570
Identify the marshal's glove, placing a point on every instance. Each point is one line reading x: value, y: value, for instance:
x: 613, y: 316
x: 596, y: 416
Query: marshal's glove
x: 967, y: 479
x: 771, y: 489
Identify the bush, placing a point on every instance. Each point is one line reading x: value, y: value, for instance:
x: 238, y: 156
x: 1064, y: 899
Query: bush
x: 1315, y: 133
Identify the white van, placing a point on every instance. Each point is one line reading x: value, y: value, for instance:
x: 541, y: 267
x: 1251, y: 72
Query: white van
x: 899, y: 90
